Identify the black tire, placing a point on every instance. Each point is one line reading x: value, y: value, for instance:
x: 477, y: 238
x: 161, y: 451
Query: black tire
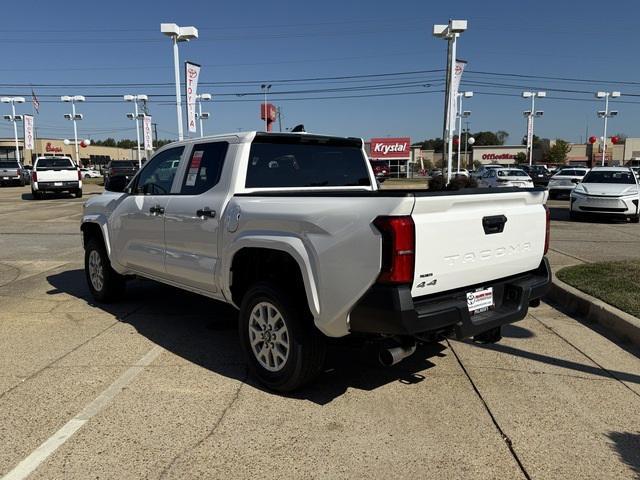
x: 490, y: 336
x: 552, y: 195
x: 78, y: 193
x: 113, y: 284
x: 635, y: 219
x: 307, y: 346
x: 35, y: 194
x: 575, y: 216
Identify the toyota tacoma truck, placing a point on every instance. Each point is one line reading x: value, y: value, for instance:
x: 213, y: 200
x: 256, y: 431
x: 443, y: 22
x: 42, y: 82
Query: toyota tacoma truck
x: 55, y: 174
x: 294, y: 232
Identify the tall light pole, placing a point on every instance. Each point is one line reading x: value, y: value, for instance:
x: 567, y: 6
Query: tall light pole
x: 460, y: 114
x: 74, y: 117
x: 136, y: 116
x: 203, y: 97
x: 606, y: 114
x: 530, y: 114
x: 265, y: 89
x: 178, y: 34
x: 14, y: 118
x: 450, y: 33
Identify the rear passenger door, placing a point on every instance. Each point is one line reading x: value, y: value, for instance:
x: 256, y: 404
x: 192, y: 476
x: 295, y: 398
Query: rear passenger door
x: 192, y: 219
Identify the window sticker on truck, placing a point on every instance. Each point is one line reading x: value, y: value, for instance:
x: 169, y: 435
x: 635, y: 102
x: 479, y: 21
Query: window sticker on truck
x: 192, y: 175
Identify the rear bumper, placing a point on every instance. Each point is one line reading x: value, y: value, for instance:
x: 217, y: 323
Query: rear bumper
x: 51, y: 186
x: 391, y: 309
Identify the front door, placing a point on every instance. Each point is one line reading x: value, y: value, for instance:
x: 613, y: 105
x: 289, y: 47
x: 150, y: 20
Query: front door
x: 137, y: 224
x: 192, y: 219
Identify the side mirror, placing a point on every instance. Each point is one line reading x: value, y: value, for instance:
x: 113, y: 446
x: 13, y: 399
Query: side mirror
x: 117, y: 184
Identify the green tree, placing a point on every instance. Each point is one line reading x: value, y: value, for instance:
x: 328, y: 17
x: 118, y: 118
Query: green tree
x: 558, y: 152
x: 488, y: 138
x: 521, y: 158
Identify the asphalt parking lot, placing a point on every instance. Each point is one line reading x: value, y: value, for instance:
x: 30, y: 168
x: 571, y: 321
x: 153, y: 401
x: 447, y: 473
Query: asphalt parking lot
x: 155, y: 386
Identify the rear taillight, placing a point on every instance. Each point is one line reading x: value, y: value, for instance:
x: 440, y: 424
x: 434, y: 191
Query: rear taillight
x: 79, y: 175
x: 548, y: 229
x: 398, y: 249
x: 34, y: 176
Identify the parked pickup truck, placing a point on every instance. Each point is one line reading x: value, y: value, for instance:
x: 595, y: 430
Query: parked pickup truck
x: 55, y: 174
x: 292, y: 230
x: 11, y: 172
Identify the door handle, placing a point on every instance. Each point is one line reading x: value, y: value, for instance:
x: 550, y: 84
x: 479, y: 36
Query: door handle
x: 206, y: 212
x: 156, y: 210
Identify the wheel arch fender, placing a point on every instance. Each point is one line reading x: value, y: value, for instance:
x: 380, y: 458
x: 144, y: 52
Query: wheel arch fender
x: 100, y: 221
x: 290, y: 245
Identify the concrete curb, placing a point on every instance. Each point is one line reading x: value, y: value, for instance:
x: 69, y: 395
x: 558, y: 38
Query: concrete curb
x: 623, y: 325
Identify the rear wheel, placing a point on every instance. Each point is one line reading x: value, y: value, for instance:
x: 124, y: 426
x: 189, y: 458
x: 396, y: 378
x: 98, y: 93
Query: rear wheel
x: 283, y: 348
x: 105, y: 284
x: 78, y: 193
x: 36, y: 194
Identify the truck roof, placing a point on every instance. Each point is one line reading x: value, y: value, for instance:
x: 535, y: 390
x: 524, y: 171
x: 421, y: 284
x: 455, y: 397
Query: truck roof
x: 249, y: 136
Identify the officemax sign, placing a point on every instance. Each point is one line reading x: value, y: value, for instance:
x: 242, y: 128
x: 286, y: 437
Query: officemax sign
x: 398, y: 147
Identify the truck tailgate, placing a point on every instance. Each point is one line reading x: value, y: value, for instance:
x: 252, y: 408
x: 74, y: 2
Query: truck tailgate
x: 57, y: 174
x: 473, y: 238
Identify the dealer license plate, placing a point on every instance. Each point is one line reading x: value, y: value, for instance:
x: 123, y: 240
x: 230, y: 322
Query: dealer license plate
x: 57, y: 184
x: 480, y: 300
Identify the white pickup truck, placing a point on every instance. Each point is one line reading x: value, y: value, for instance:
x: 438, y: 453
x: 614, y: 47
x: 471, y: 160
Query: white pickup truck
x: 293, y: 231
x: 55, y: 174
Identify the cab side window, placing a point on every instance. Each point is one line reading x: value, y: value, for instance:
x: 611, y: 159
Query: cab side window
x: 204, y: 167
x: 157, y: 175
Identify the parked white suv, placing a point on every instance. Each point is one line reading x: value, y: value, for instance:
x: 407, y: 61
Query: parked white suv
x: 55, y: 174
x: 293, y: 231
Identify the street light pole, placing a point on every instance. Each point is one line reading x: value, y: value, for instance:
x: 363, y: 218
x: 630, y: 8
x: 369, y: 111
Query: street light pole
x: 136, y: 116
x: 14, y: 118
x: 265, y: 88
x: 202, y: 116
x: 606, y: 114
x: 178, y: 34
x: 530, y: 114
x: 461, y: 113
x: 15, y: 130
x: 74, y: 117
x: 450, y: 33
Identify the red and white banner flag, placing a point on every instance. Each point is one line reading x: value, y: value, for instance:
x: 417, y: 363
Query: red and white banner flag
x: 457, y: 78
x: 147, y: 133
x: 28, y: 132
x: 192, y: 73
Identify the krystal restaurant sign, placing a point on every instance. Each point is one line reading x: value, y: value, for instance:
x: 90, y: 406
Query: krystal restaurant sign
x: 385, y: 148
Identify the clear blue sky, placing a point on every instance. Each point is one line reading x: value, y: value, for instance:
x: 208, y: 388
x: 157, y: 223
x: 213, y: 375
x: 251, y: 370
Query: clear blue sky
x: 73, y: 42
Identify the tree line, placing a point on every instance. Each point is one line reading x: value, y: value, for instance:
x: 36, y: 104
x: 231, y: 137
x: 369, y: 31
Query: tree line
x: 126, y: 143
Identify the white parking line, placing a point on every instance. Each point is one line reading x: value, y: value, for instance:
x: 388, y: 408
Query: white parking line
x: 40, y: 454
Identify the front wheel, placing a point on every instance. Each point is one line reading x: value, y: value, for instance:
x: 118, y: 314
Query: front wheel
x: 635, y: 219
x: 283, y: 348
x: 105, y: 284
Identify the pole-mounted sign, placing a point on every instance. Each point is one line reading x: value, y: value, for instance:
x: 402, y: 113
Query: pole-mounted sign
x: 146, y: 133
x: 28, y: 132
x: 192, y: 73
